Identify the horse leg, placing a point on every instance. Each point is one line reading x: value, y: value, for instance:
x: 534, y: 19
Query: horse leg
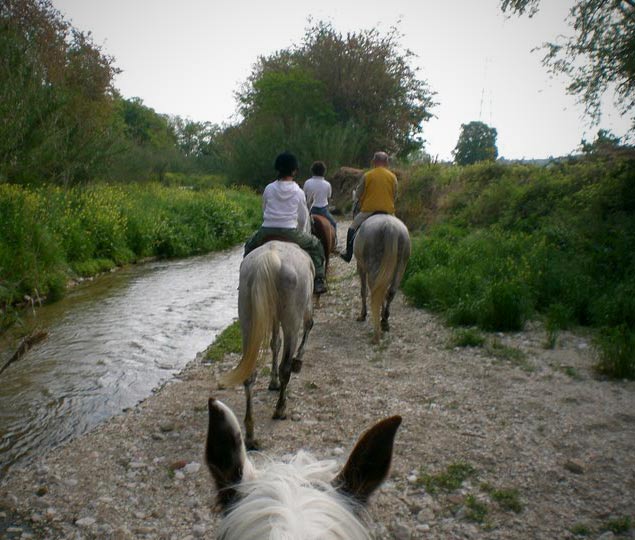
x: 362, y: 279
x: 274, y: 382
x: 296, y: 364
x: 250, y: 442
x: 386, y: 310
x: 285, y: 373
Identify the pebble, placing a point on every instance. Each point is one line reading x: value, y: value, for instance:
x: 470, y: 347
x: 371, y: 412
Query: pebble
x: 426, y: 515
x: 575, y: 466
x: 86, y: 522
x: 166, y: 428
x: 199, y: 530
x: 401, y: 532
x: 608, y: 535
x: 192, y: 468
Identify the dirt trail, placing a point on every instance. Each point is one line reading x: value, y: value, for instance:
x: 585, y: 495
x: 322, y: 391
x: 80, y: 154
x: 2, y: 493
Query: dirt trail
x: 544, y: 445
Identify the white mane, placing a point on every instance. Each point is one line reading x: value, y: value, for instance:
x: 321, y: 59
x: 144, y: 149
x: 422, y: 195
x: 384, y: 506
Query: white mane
x: 292, y: 501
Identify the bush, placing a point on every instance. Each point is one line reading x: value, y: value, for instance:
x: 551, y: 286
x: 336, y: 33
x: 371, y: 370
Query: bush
x: 48, y: 234
x: 616, y: 349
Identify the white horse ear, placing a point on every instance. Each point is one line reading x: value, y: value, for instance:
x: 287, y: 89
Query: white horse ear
x: 369, y: 462
x: 225, y: 451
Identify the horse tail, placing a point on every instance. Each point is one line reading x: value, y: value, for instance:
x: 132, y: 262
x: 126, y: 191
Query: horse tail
x: 263, y: 301
x: 385, y: 275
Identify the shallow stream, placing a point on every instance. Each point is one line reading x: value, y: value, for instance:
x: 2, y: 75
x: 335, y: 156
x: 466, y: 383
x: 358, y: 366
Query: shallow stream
x: 110, y: 342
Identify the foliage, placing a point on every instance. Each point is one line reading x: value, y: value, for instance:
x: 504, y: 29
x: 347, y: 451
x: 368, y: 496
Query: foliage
x: 50, y: 233
x: 449, y: 480
x: 477, y: 142
x: 508, y: 499
x: 334, y: 97
x: 504, y: 243
x: 228, y: 341
x: 599, y: 56
x: 468, y: 338
x: 55, y: 97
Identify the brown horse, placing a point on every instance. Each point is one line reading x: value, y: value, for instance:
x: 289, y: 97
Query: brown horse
x: 322, y: 228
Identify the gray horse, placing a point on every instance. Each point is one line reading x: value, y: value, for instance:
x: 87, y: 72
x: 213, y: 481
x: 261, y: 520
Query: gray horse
x: 382, y: 249
x: 275, y: 290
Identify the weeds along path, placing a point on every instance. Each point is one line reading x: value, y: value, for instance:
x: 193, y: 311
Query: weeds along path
x: 509, y: 440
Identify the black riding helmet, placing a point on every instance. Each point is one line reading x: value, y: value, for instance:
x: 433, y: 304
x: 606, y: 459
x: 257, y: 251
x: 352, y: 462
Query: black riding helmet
x: 286, y: 164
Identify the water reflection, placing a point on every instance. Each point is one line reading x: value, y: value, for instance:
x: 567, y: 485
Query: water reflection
x: 110, y: 342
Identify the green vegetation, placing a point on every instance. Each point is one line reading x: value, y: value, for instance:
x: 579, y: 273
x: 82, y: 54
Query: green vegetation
x: 618, y: 525
x: 468, y: 338
x: 508, y: 499
x: 505, y: 243
x: 477, y: 142
x: 449, y: 480
x: 228, y: 341
x: 50, y: 234
x: 581, y: 529
x: 476, y: 510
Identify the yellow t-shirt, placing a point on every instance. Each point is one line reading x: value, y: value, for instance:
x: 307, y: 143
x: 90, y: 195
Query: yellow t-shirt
x: 380, y: 190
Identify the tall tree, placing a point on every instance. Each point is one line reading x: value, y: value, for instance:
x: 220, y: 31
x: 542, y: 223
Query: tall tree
x: 56, y: 96
x: 363, y: 79
x: 600, y: 55
x: 477, y: 142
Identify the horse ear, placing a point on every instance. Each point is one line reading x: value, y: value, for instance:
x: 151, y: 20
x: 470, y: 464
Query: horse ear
x: 369, y: 462
x: 225, y: 451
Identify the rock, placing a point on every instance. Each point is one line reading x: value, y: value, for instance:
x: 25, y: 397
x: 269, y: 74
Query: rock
x: 167, y: 427
x: 86, y: 522
x: 41, y: 491
x: 401, y: 531
x: 575, y: 466
x: 425, y: 516
x: 608, y: 535
x: 199, y: 530
x: 192, y: 468
x: 413, y: 479
x: 177, y: 465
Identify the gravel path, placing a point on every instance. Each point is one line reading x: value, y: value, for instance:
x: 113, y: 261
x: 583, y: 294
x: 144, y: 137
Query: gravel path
x: 536, y: 444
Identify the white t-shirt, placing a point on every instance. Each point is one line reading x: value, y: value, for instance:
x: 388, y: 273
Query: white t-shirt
x: 318, y: 191
x: 284, y: 205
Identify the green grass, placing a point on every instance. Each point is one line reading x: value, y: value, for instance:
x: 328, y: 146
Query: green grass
x: 618, y: 525
x: 503, y: 352
x: 581, y: 529
x: 468, y: 337
x: 508, y: 499
x: 50, y: 234
x: 449, y: 480
x: 228, y: 341
x: 476, y: 510
x: 502, y: 244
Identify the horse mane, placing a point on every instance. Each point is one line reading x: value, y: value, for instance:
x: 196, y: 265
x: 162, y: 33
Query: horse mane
x: 288, y: 501
x: 263, y: 301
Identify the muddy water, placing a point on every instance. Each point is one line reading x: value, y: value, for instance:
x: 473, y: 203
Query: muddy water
x: 110, y: 342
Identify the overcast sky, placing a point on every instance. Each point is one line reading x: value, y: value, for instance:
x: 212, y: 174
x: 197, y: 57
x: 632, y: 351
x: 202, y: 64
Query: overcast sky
x: 187, y: 58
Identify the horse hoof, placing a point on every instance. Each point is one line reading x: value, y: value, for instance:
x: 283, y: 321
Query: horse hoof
x: 279, y: 415
x: 385, y: 326
x: 252, y: 444
x: 296, y: 365
x: 274, y: 386
x: 361, y: 318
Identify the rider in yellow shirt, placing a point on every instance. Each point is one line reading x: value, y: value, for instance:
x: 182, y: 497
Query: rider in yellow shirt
x: 376, y: 192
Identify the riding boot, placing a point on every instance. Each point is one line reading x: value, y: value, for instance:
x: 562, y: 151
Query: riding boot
x: 319, y: 286
x: 350, y: 237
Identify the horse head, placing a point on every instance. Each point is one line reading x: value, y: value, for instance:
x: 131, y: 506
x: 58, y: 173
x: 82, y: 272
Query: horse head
x: 304, y: 498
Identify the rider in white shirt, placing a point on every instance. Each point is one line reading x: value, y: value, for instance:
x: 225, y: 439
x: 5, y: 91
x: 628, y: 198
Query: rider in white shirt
x: 318, y: 192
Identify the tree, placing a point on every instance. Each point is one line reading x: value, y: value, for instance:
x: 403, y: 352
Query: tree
x: 56, y: 97
x: 477, y: 142
x: 362, y: 79
x: 599, y: 56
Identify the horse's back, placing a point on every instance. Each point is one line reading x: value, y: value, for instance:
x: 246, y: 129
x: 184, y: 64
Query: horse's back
x: 373, y: 236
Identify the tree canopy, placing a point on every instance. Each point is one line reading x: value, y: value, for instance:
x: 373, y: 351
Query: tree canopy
x: 477, y: 142
x: 358, y: 87
x: 599, y: 56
